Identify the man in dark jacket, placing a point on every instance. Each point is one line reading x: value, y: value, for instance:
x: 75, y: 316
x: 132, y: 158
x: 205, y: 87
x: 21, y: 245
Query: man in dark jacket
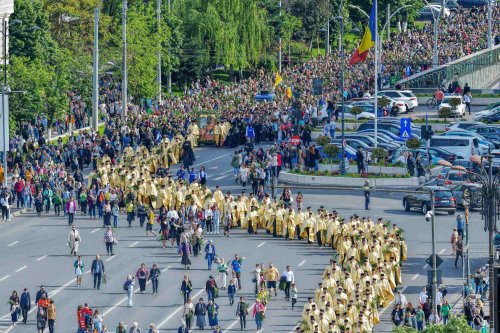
x: 25, y: 304
x: 97, y: 270
x: 360, y: 160
x: 39, y: 294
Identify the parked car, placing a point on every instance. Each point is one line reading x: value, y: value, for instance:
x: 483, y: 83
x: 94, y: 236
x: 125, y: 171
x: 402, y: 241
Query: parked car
x: 394, y: 128
x: 349, y: 151
x: 370, y: 141
x: 461, y: 125
x: 484, y: 145
x: 405, y: 96
x: 492, y: 117
x: 472, y: 3
x: 458, y: 110
x: 487, y: 131
x: 488, y: 113
x: 421, y: 199
x: 265, y: 96
x: 472, y: 190
x: 428, y: 12
x: 453, y: 178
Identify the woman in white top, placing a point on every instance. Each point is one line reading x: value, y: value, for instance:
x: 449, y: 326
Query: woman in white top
x: 97, y: 321
x: 188, y: 313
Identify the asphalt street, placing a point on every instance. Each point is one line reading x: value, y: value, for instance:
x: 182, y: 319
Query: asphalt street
x: 34, y: 252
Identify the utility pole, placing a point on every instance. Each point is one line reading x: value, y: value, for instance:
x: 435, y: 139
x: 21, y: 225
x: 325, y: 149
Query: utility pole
x: 327, y: 39
x: 434, y: 268
x: 279, y: 42
x: 158, y: 79
x: 388, y: 21
x: 125, y: 75
x: 169, y: 74
x: 95, y: 71
x: 5, y: 104
x: 490, y: 41
x: 342, y: 69
x: 435, y: 56
x: 491, y: 219
x: 466, y: 250
x: 376, y: 74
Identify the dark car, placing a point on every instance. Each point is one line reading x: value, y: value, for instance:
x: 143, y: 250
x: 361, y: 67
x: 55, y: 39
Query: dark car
x: 421, y: 199
x: 470, y: 194
x: 394, y: 128
x: 472, y: 3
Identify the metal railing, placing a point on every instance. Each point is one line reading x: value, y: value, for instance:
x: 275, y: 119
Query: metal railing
x: 455, y: 70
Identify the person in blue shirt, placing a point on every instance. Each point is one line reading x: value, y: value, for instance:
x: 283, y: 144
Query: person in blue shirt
x: 192, y: 176
x: 236, y: 265
x: 210, y: 253
x: 181, y: 173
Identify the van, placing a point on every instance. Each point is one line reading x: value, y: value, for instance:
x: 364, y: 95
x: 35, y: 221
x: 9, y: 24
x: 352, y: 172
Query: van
x: 463, y: 147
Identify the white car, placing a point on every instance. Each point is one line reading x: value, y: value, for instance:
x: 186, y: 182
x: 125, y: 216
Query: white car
x: 405, y: 96
x: 459, y: 110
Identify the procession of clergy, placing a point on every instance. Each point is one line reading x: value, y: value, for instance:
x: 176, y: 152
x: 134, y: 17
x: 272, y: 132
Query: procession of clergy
x: 367, y: 268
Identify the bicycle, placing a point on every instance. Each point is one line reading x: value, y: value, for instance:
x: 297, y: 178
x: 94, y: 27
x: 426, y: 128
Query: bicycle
x: 431, y: 103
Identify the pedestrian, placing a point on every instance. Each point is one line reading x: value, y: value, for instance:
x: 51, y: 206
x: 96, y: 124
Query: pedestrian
x: 255, y: 277
x: 115, y: 211
x: 216, y: 219
x: 97, y: 270
x: 121, y: 328
x: 258, y: 313
x: 294, y: 293
x: 40, y: 293
x: 209, y: 253
x: 51, y: 315
x: 460, y: 226
x: 79, y: 267
x: 183, y: 328
x: 397, y: 315
x: 467, y: 100
x: 74, y: 240
x: 98, y: 321
x: 154, y: 275
x: 135, y: 328
x: 366, y: 191
x: 445, y: 312
x: 454, y: 240
x: 152, y: 328
x: 130, y: 212
x: 25, y: 304
x: 107, y: 213
x: 236, y: 266
x: 459, y: 252
x: 70, y: 209
x: 142, y: 276
x: 109, y: 240
x: 200, y: 311
x: 186, y: 288
x: 360, y: 160
x: 211, y: 288
x: 151, y: 222
x: 242, y: 312
x: 420, y: 317
x: 434, y: 318
x: 15, y: 309
x: 289, y: 279
x: 128, y: 286
x: 185, y: 252
x: 422, y: 298
x: 222, y: 270
x: 188, y: 313
x: 41, y: 316
x: 231, y: 291
x: 212, y: 312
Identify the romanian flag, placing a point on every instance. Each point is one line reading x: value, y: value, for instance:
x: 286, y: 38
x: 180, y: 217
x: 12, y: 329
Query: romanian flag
x: 277, y: 80
x: 368, y: 40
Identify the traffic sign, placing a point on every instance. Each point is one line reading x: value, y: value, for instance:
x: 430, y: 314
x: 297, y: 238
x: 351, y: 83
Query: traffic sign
x: 295, y: 140
x: 405, y: 128
x: 439, y: 261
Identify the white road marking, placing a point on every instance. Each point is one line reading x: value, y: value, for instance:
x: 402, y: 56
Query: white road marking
x: 231, y: 326
x: 442, y: 251
x: 13, y: 243
x: 213, y: 159
x: 220, y: 177
x: 213, y: 168
x: 41, y: 258
x: 227, y: 171
x: 95, y: 230
x: 22, y: 268
x: 415, y: 277
x: 165, y: 269
x: 133, y: 244
x: 5, y: 277
x: 110, y: 258
x: 261, y: 244
x: 389, y: 305
x: 425, y: 266
x: 302, y: 263
x: 179, y: 259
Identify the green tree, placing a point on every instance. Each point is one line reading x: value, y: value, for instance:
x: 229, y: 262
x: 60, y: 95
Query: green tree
x: 413, y: 143
x: 380, y: 154
x: 445, y: 112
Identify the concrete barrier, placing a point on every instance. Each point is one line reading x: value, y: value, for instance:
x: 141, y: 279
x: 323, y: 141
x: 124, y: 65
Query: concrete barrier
x: 389, y: 170
x: 481, y: 101
x: 291, y: 178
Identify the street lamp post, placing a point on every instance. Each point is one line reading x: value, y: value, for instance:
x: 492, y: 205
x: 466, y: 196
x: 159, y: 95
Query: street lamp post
x: 279, y: 50
x: 490, y: 196
x: 342, y: 69
x: 434, y: 268
x: 125, y: 75
x: 95, y: 71
x: 158, y: 78
x: 490, y: 41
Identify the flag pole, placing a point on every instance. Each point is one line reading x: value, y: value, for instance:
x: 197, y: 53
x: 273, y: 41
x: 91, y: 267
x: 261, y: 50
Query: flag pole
x: 376, y: 74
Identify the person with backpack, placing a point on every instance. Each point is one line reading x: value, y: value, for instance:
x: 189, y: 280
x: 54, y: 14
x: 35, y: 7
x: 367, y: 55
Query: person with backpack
x: 128, y: 286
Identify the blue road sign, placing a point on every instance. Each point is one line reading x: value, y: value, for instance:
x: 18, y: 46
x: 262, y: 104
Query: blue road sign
x: 405, y: 128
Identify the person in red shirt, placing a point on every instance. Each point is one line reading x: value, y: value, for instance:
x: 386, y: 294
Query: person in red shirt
x: 439, y: 95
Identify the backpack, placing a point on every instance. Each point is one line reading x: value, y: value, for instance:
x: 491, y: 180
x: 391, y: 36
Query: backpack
x: 125, y: 285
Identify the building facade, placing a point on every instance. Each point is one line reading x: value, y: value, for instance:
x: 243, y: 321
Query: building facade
x: 6, y: 9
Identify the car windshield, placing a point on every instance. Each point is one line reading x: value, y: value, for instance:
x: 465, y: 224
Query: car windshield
x: 408, y: 93
x: 458, y: 176
x: 443, y: 194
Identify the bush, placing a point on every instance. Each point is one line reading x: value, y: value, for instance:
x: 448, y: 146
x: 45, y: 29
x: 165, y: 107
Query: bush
x: 383, y: 102
x: 323, y: 140
x: 413, y: 143
x: 445, y: 112
x: 355, y: 110
x: 331, y: 150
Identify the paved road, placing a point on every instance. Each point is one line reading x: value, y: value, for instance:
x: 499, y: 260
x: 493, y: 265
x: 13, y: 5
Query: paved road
x: 34, y: 252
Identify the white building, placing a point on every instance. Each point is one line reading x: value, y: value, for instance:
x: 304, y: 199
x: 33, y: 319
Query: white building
x: 6, y: 8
